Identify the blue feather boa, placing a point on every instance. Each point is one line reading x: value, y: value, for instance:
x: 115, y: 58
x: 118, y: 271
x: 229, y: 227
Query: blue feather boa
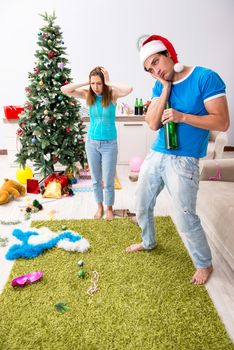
x: 26, y: 250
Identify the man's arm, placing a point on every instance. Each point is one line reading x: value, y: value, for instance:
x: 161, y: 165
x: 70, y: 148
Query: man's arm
x: 216, y: 119
x: 155, y: 110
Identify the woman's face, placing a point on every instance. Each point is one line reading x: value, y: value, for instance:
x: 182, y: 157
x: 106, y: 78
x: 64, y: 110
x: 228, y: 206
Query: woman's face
x: 96, y: 84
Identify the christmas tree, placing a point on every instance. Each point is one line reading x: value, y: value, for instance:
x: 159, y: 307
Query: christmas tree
x: 50, y: 127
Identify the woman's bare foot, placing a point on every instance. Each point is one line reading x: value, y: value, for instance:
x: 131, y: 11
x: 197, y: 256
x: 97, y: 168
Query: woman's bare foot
x: 202, y: 275
x: 99, y: 213
x: 137, y: 247
x: 109, y: 213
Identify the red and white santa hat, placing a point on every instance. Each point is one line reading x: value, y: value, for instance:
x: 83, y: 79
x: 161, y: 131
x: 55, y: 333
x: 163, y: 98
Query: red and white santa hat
x: 156, y: 43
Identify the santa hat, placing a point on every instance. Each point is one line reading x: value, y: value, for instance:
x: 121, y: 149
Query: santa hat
x: 156, y: 43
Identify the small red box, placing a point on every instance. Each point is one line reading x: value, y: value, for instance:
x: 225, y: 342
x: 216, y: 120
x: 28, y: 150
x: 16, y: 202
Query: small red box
x: 33, y: 186
x: 12, y: 112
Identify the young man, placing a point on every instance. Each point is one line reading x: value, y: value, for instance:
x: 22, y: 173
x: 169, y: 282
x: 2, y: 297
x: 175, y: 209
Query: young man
x: 198, y: 104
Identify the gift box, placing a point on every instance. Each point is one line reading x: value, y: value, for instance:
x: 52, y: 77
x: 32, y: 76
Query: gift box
x: 61, y: 178
x: 12, y: 112
x: 33, y: 186
x: 53, y: 190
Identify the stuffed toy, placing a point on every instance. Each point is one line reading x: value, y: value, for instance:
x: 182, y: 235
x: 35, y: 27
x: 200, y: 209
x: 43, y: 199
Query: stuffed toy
x: 10, y: 189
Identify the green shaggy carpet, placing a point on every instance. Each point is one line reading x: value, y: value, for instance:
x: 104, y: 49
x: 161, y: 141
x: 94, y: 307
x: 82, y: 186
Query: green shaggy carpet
x: 145, y: 300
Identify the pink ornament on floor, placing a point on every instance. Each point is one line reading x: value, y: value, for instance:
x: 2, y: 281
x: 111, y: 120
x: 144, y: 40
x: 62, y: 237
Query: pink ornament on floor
x: 135, y: 164
x: 21, y: 281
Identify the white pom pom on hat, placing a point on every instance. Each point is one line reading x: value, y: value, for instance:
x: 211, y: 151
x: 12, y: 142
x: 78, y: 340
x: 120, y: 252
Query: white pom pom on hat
x: 178, y: 67
x: 155, y: 44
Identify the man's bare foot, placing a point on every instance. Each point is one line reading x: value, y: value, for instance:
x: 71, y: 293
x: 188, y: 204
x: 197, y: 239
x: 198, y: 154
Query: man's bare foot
x: 99, y: 213
x: 109, y: 215
x: 202, y: 275
x: 137, y: 247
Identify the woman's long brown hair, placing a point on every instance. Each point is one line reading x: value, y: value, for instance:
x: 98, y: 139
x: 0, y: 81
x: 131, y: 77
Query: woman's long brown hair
x: 106, y: 93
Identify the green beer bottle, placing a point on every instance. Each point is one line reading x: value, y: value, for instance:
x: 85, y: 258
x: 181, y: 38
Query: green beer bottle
x: 136, y: 107
x: 140, y: 109
x: 170, y: 134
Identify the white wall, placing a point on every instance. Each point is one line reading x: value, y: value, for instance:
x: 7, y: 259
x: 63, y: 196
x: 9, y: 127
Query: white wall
x: 104, y: 32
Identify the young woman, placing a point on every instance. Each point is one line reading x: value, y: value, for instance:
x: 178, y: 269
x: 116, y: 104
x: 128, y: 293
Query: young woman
x: 101, y: 146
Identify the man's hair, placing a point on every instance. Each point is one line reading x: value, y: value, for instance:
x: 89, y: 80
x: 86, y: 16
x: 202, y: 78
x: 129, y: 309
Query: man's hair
x: 106, y: 93
x: 164, y: 53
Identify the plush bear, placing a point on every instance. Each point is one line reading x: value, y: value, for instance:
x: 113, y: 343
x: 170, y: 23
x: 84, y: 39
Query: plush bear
x: 10, y: 189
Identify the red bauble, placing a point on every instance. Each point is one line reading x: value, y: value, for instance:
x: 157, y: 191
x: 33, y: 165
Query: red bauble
x: 55, y: 159
x: 19, y: 132
x: 68, y: 130
x: 51, y: 54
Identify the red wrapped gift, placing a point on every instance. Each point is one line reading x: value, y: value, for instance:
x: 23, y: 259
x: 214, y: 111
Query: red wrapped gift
x: 61, y: 178
x: 33, y: 186
x: 12, y: 112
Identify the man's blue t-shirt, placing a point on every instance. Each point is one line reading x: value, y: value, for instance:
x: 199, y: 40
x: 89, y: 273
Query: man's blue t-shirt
x: 188, y: 96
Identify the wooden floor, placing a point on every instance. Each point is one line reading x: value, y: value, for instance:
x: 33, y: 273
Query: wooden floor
x: 220, y: 286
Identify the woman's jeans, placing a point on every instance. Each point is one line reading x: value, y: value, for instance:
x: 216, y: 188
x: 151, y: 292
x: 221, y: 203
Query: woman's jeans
x: 102, y: 159
x: 180, y: 175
